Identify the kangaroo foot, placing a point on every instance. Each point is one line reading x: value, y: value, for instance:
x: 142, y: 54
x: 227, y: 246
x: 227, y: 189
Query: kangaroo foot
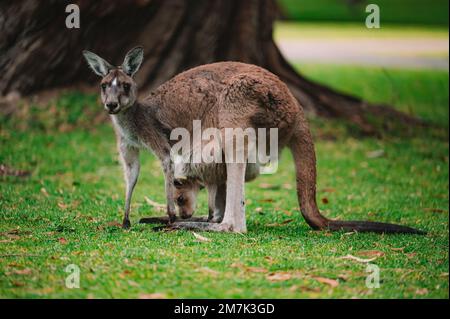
x: 202, y: 226
x: 165, y: 220
x: 126, y: 224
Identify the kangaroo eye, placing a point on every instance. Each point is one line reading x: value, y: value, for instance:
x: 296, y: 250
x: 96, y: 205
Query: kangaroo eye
x: 180, y: 200
x: 126, y: 87
x: 103, y: 86
x: 177, y: 183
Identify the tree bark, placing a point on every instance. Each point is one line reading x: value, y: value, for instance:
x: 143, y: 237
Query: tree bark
x: 38, y: 52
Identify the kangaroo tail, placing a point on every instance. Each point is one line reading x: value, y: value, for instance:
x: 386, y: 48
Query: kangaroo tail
x: 302, y: 149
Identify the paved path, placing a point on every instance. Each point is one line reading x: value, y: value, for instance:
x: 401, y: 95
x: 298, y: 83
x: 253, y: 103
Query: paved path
x: 406, y: 53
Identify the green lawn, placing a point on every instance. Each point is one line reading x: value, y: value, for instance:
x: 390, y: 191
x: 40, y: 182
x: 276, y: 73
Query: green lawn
x: 67, y: 211
x: 287, y: 30
x: 431, y: 12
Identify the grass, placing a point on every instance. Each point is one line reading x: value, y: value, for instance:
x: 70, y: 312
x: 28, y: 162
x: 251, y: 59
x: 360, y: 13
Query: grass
x: 67, y: 211
x: 337, y: 30
x: 433, y: 12
x: 402, y: 88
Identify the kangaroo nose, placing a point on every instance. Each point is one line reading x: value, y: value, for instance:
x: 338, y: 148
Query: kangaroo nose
x: 111, y: 106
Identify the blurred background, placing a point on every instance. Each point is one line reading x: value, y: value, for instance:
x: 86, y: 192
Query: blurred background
x: 312, y: 45
x: 378, y: 105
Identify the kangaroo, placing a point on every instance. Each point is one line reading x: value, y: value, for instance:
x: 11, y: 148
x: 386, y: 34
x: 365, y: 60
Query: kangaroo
x: 221, y: 95
x: 214, y: 180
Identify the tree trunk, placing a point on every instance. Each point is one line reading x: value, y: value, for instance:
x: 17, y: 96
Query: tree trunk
x: 38, y: 52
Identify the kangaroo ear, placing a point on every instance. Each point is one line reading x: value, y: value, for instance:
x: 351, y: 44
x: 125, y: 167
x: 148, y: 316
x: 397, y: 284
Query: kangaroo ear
x: 96, y: 63
x: 133, y: 60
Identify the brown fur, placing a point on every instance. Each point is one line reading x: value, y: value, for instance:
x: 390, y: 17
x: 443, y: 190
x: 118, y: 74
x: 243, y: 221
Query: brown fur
x: 229, y: 95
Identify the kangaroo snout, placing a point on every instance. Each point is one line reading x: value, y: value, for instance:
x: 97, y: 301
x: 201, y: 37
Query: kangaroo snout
x: 112, y: 107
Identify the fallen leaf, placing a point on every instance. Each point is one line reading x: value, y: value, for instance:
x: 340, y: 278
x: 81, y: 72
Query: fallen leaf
x: 201, y: 238
x: 256, y: 269
x: 287, y: 213
x: 375, y: 154
x: 25, y: 271
x: 361, y: 260
x: 422, y: 292
x: 370, y: 253
x: 114, y: 224
x: 328, y: 190
x: 343, y: 277
x: 350, y: 233
x: 62, y: 205
x: 62, y: 241
x: 398, y: 249
x: 279, y: 276
x: 331, y: 282
x: 44, y: 192
x: 156, y: 295
x: 411, y: 255
x: 325, y: 200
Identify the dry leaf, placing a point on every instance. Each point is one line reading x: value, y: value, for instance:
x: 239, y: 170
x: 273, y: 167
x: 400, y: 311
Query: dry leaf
x: 156, y: 295
x: 370, y: 253
x: 200, y: 237
x: 62, y: 205
x: 398, y: 249
x: 422, y: 292
x: 249, y: 268
x: 114, y: 224
x: 287, y: 212
x: 279, y: 276
x: 256, y: 269
x: 375, y: 154
x: 331, y: 282
x: 44, y: 192
x: 25, y: 271
x: 325, y: 200
x: 361, y: 260
x: 62, y: 241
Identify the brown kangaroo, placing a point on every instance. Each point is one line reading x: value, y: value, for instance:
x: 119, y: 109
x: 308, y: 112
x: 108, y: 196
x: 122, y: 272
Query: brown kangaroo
x: 221, y: 95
